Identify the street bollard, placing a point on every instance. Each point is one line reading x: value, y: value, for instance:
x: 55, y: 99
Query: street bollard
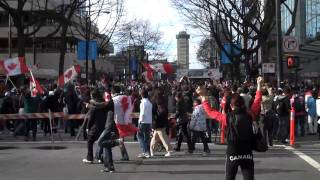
x: 292, y: 126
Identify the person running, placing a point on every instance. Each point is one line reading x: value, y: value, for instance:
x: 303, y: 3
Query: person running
x: 239, y: 120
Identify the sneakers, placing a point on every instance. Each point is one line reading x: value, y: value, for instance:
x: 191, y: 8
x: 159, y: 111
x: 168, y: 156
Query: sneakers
x: 86, y: 161
x: 168, y: 154
x: 108, y: 170
x: 144, y: 155
x: 147, y: 155
x: 141, y: 155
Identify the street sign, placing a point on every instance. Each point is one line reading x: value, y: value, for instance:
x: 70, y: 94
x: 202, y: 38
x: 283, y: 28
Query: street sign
x: 214, y: 74
x: 290, y: 44
x: 268, y: 68
x: 92, y: 51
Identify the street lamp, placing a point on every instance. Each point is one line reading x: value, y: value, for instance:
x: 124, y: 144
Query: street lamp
x: 279, y: 44
x: 10, y: 37
x: 88, y: 38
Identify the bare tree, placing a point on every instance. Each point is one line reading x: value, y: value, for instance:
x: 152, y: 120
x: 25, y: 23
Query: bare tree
x: 245, y: 22
x: 28, y: 17
x: 140, y: 37
x: 99, y: 22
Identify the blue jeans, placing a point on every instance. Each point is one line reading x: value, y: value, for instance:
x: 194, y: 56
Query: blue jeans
x: 144, y: 137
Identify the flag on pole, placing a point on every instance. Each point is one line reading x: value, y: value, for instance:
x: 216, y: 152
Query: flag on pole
x: 14, y: 66
x: 69, y: 75
x: 35, y: 87
x: 148, y: 76
x: 165, y: 68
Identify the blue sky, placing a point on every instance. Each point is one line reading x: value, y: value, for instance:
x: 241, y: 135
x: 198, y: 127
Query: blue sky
x: 162, y: 15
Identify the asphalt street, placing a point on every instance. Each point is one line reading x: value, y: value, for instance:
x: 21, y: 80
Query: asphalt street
x: 29, y: 161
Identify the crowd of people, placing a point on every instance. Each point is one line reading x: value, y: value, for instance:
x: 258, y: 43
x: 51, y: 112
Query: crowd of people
x: 188, y: 110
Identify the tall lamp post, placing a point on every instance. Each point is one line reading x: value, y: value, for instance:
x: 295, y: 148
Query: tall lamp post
x: 88, y: 38
x: 279, y: 44
x: 10, y: 38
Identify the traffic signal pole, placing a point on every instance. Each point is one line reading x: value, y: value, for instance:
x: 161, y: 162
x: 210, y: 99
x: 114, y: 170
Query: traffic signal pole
x: 279, y: 44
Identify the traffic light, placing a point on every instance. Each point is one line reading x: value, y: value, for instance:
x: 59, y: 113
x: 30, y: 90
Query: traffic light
x: 293, y: 62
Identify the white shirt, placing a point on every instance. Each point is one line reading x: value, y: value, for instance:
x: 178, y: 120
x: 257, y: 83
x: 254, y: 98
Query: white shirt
x: 145, y: 115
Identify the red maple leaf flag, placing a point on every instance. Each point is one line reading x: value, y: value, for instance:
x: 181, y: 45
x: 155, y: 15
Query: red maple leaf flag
x: 69, y: 75
x: 14, y: 66
x: 165, y: 68
x: 35, y: 87
x: 148, y: 76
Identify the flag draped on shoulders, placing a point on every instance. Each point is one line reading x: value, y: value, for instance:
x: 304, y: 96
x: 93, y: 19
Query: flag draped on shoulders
x: 14, y: 66
x: 69, y: 75
x: 122, y: 116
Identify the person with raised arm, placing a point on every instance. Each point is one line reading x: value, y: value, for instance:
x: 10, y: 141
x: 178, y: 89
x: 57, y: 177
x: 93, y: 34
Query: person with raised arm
x: 240, y: 131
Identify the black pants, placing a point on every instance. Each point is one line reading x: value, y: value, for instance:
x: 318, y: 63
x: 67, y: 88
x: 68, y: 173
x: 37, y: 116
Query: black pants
x: 107, y: 158
x: 182, y: 130
x: 283, y: 130
x: 72, y: 125
x: 196, y: 135
x: 91, y: 139
x: 267, y: 128
x: 31, y: 124
x: 246, y: 165
x: 301, y: 121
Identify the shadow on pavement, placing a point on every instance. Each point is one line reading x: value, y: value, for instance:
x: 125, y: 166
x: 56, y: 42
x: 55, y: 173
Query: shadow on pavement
x: 185, y: 162
x: 257, y: 171
x: 7, y: 147
x: 50, y: 147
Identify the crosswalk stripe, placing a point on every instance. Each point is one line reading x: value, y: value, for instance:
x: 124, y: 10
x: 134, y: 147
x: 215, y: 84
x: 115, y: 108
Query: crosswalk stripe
x: 305, y: 157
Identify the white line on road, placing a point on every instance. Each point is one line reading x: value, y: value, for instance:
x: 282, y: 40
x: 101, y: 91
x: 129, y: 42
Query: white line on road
x: 305, y: 157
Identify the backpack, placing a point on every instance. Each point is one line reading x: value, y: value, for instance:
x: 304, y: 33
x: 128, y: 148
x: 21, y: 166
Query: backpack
x: 298, y: 104
x: 281, y: 107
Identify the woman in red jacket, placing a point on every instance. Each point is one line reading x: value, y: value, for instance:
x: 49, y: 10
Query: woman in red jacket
x: 240, y: 132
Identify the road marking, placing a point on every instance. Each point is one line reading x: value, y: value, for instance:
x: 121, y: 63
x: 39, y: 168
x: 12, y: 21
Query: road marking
x: 305, y: 157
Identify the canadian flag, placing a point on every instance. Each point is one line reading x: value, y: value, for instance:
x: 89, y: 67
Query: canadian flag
x: 165, y: 68
x: 148, y: 76
x: 123, y: 109
x: 69, y: 75
x: 14, y: 66
x: 35, y: 87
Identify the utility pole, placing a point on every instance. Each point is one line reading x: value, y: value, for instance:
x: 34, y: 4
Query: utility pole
x: 10, y: 38
x: 88, y: 29
x: 279, y: 44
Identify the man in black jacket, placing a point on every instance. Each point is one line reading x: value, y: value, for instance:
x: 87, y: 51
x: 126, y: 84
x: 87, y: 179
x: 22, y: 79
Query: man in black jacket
x: 107, y: 140
x: 97, y: 116
x: 71, y: 99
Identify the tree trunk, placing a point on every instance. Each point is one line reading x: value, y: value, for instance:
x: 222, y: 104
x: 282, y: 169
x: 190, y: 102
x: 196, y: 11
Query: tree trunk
x: 63, y: 48
x: 93, y: 78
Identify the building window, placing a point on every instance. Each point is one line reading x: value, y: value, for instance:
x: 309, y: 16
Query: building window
x: 312, y: 18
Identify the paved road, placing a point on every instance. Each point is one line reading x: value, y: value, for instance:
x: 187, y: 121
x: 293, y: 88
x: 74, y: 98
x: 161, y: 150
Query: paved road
x: 24, y: 161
